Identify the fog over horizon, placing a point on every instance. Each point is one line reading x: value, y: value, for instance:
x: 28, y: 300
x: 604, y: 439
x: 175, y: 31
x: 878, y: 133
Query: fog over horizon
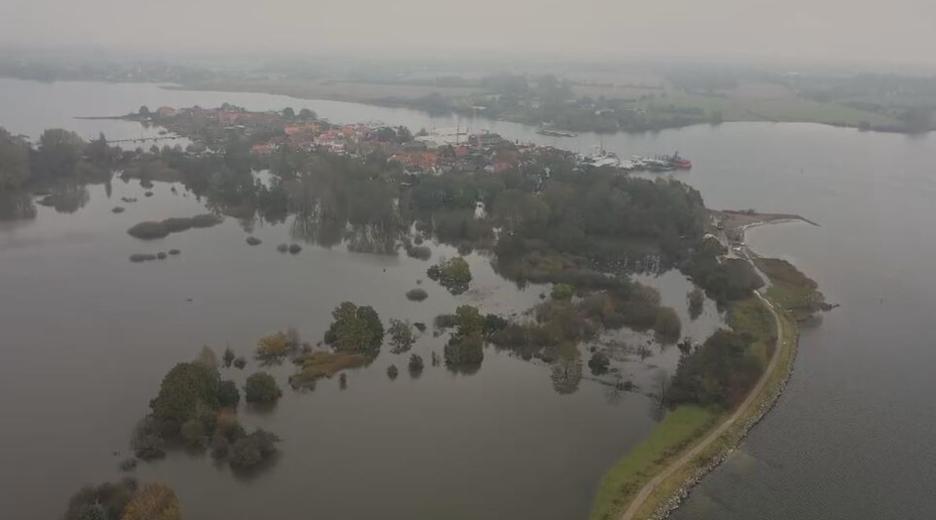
x: 899, y: 32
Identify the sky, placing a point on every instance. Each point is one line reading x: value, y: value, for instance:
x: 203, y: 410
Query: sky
x: 892, y: 31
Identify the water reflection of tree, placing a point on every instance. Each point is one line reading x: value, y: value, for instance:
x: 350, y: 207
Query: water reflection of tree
x: 566, y: 371
x: 16, y: 205
x: 66, y: 196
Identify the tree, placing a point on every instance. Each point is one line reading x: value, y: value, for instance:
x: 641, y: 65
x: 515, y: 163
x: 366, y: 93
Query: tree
x: 289, y: 113
x: 454, y: 274
x: 144, y: 111
x: 228, y: 357
x: 188, y: 390
x: 401, y: 336
x: 355, y: 329
x: 261, y: 388
x: 465, y: 349
x: 59, y: 152
x: 305, y: 114
x: 14, y: 160
x: 153, y: 501
x: 696, y: 300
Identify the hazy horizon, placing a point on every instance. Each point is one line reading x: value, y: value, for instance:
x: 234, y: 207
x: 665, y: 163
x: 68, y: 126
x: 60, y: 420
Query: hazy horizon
x: 897, y: 33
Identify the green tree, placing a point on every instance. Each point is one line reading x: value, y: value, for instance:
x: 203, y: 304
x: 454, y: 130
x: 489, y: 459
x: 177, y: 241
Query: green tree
x: 453, y: 274
x: 14, y: 160
x: 355, y: 329
x: 59, y: 152
x: 401, y: 336
x: 188, y: 390
x: 289, y: 113
x: 261, y: 388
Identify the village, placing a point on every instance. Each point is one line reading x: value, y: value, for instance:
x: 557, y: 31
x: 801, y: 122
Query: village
x: 267, y: 133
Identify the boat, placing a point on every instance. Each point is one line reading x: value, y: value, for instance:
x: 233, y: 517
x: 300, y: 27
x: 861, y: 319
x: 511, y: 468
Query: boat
x: 555, y: 133
x: 680, y: 162
x: 601, y: 157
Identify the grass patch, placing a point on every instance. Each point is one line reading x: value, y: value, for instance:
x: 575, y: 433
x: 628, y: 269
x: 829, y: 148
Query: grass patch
x: 624, y: 479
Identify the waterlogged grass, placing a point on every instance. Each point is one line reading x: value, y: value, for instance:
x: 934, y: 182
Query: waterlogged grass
x: 326, y: 364
x: 791, y: 289
x: 680, y: 427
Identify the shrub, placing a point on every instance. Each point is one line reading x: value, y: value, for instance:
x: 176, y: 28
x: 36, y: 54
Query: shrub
x: 415, y: 365
x: 275, y: 346
x: 599, y: 363
x: 228, y: 394
x: 153, y: 502
x: 401, y: 336
x: 240, y: 362
x: 254, y: 241
x: 252, y: 450
x: 295, y: 248
x: 106, y: 501
x: 454, y: 274
x: 392, y: 372
x: 228, y: 357
x: 261, y: 388
x: 416, y: 295
x: 696, y: 300
x: 146, y: 441
x: 667, y: 325
x: 562, y: 291
x: 149, y: 230
x: 419, y: 252
x: 193, y: 433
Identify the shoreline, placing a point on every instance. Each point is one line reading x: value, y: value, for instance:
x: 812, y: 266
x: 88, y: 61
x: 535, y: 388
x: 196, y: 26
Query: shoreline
x: 666, y: 491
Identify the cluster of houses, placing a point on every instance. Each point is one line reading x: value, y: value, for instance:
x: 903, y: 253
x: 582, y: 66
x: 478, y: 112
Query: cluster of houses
x: 434, y: 152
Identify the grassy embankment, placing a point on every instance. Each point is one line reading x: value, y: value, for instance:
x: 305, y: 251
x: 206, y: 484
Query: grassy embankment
x: 686, y: 425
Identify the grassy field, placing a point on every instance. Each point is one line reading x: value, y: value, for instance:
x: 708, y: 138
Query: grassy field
x: 758, y: 103
x: 621, y: 482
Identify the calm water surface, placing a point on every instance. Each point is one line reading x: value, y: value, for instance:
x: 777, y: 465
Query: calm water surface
x: 87, y: 336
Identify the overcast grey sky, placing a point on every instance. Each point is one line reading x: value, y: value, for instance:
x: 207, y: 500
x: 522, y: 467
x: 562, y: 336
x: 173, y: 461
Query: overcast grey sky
x: 817, y: 30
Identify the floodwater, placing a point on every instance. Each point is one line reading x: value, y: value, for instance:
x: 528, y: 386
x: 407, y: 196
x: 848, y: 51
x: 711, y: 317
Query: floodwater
x: 88, y: 335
